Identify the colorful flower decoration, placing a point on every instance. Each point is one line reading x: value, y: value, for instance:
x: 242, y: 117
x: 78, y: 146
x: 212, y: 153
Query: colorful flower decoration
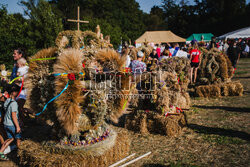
x: 71, y: 77
x: 105, y: 135
x: 127, y: 70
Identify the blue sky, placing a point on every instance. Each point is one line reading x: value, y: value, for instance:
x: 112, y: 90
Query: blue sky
x: 146, y: 5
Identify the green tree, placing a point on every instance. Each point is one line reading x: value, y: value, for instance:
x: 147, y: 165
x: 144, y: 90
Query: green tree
x: 45, y: 24
x: 215, y: 16
x: 13, y: 34
x: 155, y: 20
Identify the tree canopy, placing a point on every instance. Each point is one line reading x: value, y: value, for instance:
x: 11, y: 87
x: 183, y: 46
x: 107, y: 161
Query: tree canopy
x: 121, y: 19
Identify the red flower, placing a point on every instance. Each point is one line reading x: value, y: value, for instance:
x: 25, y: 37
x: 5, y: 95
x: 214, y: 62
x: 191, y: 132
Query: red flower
x: 72, y: 76
x: 83, y: 65
x: 128, y: 69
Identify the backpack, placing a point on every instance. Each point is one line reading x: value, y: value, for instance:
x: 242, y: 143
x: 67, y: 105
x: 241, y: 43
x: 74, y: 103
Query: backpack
x: 3, y: 110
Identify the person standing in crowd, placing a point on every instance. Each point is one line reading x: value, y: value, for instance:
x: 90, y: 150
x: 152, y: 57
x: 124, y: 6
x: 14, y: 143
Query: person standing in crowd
x: 163, y: 47
x: 11, y: 124
x: 165, y: 54
x: 174, y: 50
x: 2, y: 131
x: 185, y: 48
x: 221, y: 45
x: 182, y: 53
x: 128, y: 61
x: 233, y: 53
x: 158, y: 51
x: 21, y: 99
x: 138, y: 66
x: 153, y: 58
x: 125, y: 53
x: 212, y: 43
x: 17, y: 54
x: 226, y: 46
x: 246, y: 50
x: 194, y: 58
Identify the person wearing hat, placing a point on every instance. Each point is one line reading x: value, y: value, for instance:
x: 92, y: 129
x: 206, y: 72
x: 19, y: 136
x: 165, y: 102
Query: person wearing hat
x: 138, y: 66
x: 11, y: 124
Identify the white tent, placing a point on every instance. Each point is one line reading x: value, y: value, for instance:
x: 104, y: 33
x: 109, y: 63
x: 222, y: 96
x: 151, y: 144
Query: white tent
x: 158, y: 37
x: 241, y: 33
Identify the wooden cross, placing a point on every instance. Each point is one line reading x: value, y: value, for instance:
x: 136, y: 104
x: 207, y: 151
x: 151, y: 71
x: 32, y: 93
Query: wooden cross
x: 78, y: 21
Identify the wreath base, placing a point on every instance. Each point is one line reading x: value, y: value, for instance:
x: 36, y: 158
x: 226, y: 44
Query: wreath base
x: 35, y: 154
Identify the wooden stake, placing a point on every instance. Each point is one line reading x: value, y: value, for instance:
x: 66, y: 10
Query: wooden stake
x: 121, y: 161
x: 134, y: 160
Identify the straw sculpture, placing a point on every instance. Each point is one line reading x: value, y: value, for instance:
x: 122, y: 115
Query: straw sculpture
x: 215, y: 74
x: 77, y: 75
x: 163, y: 97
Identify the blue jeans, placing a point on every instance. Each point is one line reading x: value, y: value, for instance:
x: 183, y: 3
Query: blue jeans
x: 11, y: 132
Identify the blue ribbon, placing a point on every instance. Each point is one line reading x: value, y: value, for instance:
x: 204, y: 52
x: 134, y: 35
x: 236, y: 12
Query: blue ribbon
x: 53, y: 99
x: 58, y: 74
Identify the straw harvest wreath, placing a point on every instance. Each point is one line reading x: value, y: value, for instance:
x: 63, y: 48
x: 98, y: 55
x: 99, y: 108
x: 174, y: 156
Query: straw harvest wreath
x: 166, y: 88
x: 215, y: 74
x: 69, y: 89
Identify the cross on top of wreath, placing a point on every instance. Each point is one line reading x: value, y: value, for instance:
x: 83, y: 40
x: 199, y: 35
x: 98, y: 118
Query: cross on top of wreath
x: 78, y: 21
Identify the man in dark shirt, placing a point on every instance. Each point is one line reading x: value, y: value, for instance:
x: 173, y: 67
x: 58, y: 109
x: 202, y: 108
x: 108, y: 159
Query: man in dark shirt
x: 233, y: 53
x: 153, y: 57
x: 212, y: 43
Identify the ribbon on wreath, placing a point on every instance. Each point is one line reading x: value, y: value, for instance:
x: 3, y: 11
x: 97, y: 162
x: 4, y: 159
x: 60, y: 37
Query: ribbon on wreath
x: 39, y: 59
x: 54, y: 98
x: 21, y: 87
x: 71, y: 78
x: 47, y: 58
x: 178, y: 110
x: 14, y: 79
x: 126, y: 101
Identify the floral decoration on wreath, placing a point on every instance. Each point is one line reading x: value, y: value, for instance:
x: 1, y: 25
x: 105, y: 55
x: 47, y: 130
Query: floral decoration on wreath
x: 83, y: 63
x: 127, y: 71
x: 72, y: 77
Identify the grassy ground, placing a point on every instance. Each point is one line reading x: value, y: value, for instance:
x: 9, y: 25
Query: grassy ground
x: 218, y: 133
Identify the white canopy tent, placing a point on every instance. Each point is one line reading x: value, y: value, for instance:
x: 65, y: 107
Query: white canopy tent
x: 241, y: 33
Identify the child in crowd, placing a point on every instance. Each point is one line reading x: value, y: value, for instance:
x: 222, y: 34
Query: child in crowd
x: 22, y: 67
x: 21, y: 72
x: 11, y: 124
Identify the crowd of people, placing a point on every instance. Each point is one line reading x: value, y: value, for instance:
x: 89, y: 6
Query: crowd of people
x: 12, y: 100
x: 160, y: 53
x: 234, y: 48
